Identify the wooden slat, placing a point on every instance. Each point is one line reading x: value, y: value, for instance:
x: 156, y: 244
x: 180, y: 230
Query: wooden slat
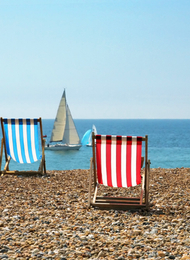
x: 146, y: 169
x: 94, y: 158
x: 41, y: 131
x: 128, y: 202
x: 90, y: 183
x: 118, y: 206
x: 3, y: 132
x: 21, y: 172
x: 117, y: 198
x: 44, y: 155
x: 143, y: 138
x: 95, y: 193
x: 7, y: 164
x: 147, y: 184
x: 1, y: 153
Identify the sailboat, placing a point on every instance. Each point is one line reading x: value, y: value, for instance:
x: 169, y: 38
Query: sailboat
x: 87, y: 137
x: 64, y: 134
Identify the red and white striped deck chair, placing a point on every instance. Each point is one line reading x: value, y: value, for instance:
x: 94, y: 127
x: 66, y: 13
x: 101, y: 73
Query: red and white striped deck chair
x: 117, y: 162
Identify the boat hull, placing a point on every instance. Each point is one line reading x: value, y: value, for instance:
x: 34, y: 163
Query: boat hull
x: 63, y: 147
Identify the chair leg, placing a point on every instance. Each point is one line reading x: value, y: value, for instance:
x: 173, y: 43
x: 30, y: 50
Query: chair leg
x: 147, y: 184
x: 43, y: 156
x: 90, y: 184
x: 142, y: 188
x: 40, y: 169
x: 95, y: 193
x: 141, y: 196
x: 1, y: 153
x: 44, y: 166
x: 7, y: 164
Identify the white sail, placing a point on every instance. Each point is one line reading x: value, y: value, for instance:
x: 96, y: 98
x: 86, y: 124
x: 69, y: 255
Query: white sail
x: 94, y: 129
x: 70, y: 134
x: 60, y: 121
x: 64, y: 129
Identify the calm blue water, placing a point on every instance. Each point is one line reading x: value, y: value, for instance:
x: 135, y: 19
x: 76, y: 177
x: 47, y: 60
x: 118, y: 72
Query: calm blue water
x: 169, y: 142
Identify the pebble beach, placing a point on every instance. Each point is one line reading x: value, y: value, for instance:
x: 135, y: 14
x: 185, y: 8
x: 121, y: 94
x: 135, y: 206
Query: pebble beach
x: 47, y: 217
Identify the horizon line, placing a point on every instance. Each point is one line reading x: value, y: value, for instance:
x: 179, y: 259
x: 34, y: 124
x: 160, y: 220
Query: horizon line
x: 124, y: 118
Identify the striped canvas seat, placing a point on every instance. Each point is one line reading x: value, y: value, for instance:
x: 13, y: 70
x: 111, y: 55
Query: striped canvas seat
x: 21, y: 142
x: 117, y: 162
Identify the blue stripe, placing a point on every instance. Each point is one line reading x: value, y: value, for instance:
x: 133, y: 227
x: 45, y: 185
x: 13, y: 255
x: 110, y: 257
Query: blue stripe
x: 36, y: 139
x: 29, y: 141
x: 6, y: 136
x: 15, y: 151
x: 22, y: 140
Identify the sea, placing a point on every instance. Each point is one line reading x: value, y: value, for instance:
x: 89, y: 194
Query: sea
x: 168, y: 142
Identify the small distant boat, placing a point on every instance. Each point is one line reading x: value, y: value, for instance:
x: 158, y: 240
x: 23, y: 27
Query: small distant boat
x: 64, y: 134
x: 87, y: 137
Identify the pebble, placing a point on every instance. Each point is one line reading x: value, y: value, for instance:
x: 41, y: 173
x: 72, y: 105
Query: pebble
x: 48, y: 218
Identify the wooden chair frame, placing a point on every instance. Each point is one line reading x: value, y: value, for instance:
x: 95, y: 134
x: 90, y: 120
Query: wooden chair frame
x: 42, y: 167
x: 123, y: 203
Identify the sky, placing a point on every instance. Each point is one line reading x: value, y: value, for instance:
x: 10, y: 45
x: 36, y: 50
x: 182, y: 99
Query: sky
x: 116, y: 59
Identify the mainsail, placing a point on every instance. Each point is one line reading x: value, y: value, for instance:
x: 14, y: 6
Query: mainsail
x: 64, y: 128
x: 70, y: 135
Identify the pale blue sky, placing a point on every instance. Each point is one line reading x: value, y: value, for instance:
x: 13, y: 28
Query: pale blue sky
x: 116, y: 58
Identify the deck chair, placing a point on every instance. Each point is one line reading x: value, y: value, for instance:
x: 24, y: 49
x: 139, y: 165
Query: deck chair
x: 21, y: 143
x: 117, y: 162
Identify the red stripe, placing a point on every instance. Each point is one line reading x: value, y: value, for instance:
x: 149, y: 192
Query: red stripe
x: 138, y: 166
x: 108, y: 160
x: 98, y: 158
x: 129, y: 145
x: 118, y: 160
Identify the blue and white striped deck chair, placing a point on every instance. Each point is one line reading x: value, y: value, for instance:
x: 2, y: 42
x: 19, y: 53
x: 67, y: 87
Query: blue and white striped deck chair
x: 21, y: 143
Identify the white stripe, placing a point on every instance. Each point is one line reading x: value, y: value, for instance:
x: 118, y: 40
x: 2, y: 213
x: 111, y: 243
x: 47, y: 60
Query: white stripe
x: 123, y: 162
x: 18, y: 140
x: 25, y: 141
x: 33, y: 139
x: 10, y: 137
x: 113, y: 162
x: 103, y: 162
x: 133, y: 160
